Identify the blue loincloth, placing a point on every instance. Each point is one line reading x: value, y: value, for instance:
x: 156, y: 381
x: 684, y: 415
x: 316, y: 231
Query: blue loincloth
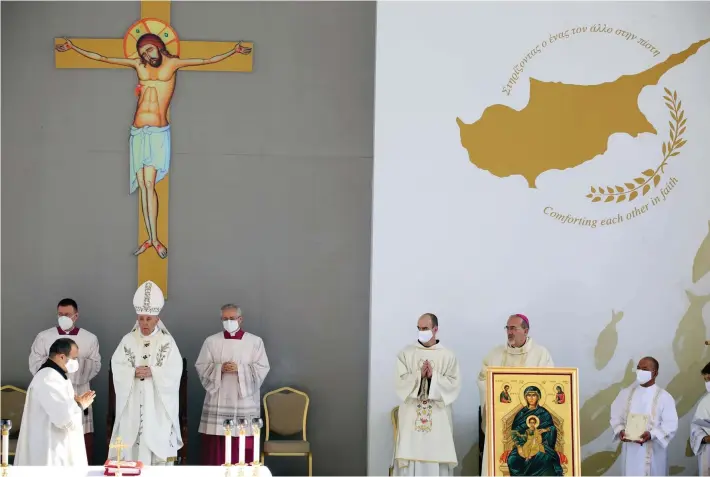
x: 149, y: 146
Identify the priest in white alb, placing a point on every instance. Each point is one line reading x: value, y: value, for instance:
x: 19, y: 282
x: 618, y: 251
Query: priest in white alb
x: 519, y: 352
x: 427, y: 383
x: 89, y: 358
x: 644, y: 419
x: 51, y: 431
x: 700, y: 427
x: 147, y: 367
x: 232, y: 366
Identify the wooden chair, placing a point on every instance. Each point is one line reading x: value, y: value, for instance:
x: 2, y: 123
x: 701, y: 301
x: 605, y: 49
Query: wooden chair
x: 286, y: 411
x: 111, y: 418
x: 12, y: 405
x: 394, y: 416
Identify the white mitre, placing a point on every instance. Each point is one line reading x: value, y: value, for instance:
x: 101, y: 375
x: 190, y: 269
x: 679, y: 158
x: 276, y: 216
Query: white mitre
x: 149, y: 299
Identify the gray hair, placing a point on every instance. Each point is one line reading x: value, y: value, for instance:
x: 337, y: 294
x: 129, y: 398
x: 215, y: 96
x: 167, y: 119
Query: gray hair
x: 231, y: 306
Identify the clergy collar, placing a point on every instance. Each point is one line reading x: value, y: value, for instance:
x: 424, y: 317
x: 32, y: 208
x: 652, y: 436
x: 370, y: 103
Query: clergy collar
x: 522, y: 350
x: 421, y: 345
x: 74, y: 331
x: 51, y: 364
x: 239, y: 334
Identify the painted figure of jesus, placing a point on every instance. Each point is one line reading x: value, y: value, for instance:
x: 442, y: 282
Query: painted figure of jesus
x: 149, y: 141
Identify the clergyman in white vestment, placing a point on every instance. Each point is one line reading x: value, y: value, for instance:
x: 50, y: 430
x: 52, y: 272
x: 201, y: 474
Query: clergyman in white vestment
x: 89, y: 358
x: 700, y: 433
x: 427, y: 384
x: 519, y: 352
x: 51, y: 432
x: 147, y: 367
x: 231, y: 365
x: 647, y: 455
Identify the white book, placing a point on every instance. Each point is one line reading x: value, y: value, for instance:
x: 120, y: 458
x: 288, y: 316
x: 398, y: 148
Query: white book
x: 636, y: 425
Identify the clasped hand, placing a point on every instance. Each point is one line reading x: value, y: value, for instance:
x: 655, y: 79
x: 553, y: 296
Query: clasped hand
x: 427, y: 369
x: 229, y: 367
x: 143, y: 372
x: 86, y: 399
x: 645, y: 437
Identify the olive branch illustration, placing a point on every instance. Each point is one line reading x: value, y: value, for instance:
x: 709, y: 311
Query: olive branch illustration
x: 630, y: 190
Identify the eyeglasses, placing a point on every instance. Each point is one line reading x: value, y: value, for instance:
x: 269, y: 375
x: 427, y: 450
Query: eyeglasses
x: 512, y: 328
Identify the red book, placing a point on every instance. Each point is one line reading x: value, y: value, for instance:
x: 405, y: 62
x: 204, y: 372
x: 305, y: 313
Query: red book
x: 128, y: 467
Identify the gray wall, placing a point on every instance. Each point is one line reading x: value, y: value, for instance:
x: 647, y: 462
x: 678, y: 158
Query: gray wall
x: 270, y: 198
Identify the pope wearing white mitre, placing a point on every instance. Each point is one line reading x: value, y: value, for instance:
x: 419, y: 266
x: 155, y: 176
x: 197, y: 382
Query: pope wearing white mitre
x: 519, y: 352
x: 427, y: 383
x: 51, y: 432
x: 147, y: 367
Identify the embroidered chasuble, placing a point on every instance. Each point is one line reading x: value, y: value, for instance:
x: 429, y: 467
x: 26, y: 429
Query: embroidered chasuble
x: 230, y: 395
x: 425, y: 442
x: 650, y: 458
x: 530, y: 355
x: 147, y: 410
x: 89, y: 361
x: 697, y: 433
x: 51, y: 432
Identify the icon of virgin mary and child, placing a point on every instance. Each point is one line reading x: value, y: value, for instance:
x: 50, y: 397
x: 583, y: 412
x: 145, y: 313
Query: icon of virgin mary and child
x: 534, y: 435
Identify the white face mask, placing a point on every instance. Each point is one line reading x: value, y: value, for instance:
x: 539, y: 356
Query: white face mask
x: 425, y: 335
x: 230, y: 326
x: 707, y: 386
x: 65, y: 322
x: 643, y: 376
x: 72, y: 366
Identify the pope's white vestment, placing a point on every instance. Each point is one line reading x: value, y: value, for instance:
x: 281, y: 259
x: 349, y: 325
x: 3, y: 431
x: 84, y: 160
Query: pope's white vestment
x: 650, y: 458
x: 425, y: 441
x: 697, y: 433
x: 147, y: 411
x: 530, y: 355
x: 51, y: 432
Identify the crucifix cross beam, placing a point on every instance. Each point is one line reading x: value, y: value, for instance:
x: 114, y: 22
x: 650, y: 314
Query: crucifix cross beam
x: 152, y: 47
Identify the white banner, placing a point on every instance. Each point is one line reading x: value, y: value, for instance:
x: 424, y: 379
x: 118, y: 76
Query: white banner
x: 550, y: 159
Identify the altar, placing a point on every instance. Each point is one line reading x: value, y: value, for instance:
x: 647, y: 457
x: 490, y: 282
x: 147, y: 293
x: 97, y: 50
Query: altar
x: 152, y: 471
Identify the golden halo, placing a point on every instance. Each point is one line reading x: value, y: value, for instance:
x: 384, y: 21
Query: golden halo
x: 543, y: 394
x: 527, y: 421
x: 150, y: 25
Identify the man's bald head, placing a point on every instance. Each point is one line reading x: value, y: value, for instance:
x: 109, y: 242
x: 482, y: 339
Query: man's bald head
x: 428, y: 322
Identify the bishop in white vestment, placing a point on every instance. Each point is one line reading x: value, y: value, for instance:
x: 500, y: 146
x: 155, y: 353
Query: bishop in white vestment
x: 232, y: 366
x: 147, y: 367
x: 647, y: 455
x: 700, y: 427
x: 427, y: 383
x: 51, y: 432
x: 519, y: 352
x: 89, y: 359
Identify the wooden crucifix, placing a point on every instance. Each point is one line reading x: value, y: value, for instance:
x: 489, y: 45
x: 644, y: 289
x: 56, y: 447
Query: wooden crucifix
x: 152, y: 48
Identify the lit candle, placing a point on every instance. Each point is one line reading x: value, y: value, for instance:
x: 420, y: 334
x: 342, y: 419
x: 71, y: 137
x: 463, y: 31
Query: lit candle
x: 228, y: 441
x: 6, y: 426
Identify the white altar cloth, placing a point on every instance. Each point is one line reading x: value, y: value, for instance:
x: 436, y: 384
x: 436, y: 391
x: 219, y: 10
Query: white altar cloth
x: 150, y: 471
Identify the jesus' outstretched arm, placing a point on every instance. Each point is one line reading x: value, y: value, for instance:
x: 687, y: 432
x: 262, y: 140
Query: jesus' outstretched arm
x: 68, y: 45
x: 238, y: 48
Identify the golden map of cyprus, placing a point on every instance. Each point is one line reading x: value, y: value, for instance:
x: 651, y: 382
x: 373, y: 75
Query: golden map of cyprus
x: 563, y: 125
